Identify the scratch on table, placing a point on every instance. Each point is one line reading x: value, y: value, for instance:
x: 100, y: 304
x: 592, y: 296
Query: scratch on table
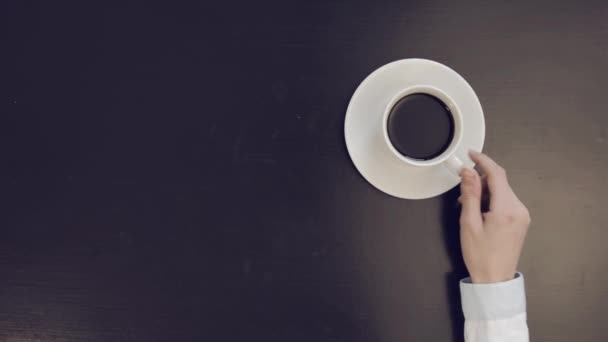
x: 275, y: 134
x: 246, y: 266
x: 211, y: 131
x: 236, y: 149
x: 259, y: 158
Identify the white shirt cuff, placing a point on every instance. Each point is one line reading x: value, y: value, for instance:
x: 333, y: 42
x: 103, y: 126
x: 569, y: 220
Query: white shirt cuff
x: 493, y: 301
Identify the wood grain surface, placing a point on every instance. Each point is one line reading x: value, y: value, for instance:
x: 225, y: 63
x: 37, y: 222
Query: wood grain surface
x: 177, y: 172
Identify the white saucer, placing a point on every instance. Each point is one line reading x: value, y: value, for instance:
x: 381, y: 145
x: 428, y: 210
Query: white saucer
x: 365, y: 143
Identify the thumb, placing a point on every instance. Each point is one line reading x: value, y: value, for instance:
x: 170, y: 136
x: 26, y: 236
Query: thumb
x: 470, y: 199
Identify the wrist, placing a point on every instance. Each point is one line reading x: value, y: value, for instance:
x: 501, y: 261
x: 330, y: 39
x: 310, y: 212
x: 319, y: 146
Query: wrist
x: 492, y: 278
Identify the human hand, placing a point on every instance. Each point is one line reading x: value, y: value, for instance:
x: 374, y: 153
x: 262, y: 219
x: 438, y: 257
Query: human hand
x: 491, y: 241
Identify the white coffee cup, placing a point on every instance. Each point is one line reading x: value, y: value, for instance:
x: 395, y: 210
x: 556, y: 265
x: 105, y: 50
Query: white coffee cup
x: 447, y: 158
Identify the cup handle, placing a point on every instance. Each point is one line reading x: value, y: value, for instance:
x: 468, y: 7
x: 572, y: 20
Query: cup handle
x: 454, y: 164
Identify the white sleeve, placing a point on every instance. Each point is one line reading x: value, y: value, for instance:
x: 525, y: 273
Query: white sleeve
x: 495, y: 312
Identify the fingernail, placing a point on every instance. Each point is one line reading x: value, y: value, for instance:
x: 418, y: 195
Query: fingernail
x: 474, y: 153
x: 466, y: 174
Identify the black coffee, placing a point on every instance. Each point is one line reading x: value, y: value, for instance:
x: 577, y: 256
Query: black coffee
x: 420, y: 126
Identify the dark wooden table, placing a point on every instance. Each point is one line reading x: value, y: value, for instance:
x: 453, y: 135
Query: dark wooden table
x: 178, y: 172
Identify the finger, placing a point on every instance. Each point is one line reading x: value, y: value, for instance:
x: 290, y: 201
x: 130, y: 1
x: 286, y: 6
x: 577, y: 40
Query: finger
x: 498, y: 186
x: 470, y: 199
x: 485, y: 195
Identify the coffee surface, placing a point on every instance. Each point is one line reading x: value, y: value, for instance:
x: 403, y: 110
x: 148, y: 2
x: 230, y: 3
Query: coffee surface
x: 420, y: 126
